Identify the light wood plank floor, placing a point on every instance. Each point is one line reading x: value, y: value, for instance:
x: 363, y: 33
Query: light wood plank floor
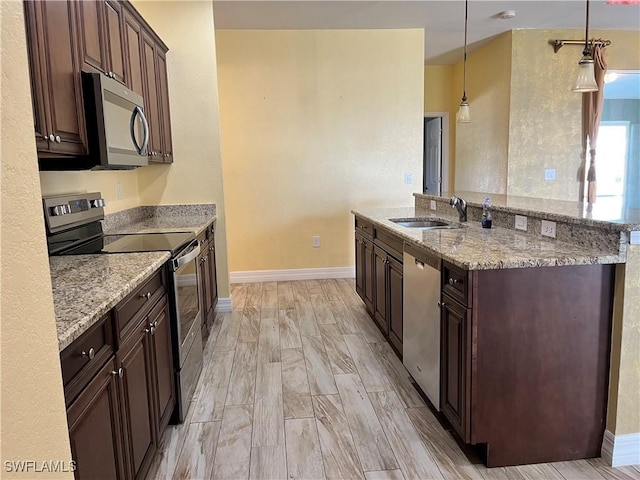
x: 298, y: 383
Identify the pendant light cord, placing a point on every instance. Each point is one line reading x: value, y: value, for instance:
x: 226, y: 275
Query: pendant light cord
x: 587, y: 50
x: 464, y: 64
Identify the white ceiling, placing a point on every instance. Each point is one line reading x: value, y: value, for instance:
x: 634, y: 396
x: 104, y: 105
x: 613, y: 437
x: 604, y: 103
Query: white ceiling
x: 442, y: 20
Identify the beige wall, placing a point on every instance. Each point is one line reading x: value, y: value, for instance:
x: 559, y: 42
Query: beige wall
x: 545, y: 126
x: 482, y: 146
x: 438, y: 93
x: 58, y: 183
x: 313, y: 124
x: 196, y: 174
x: 33, y: 418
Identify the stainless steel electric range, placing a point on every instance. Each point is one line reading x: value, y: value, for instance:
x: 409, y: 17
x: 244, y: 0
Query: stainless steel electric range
x: 74, y: 228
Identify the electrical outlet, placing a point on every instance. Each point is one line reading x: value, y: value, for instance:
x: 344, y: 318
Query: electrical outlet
x: 521, y: 222
x: 548, y: 228
x: 119, y: 190
x: 408, y: 178
x: 433, y: 204
x: 549, y: 174
x: 634, y: 238
x: 316, y: 241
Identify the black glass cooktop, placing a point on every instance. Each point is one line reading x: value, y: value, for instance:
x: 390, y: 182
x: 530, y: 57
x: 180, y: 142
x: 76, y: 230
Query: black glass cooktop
x: 140, y: 242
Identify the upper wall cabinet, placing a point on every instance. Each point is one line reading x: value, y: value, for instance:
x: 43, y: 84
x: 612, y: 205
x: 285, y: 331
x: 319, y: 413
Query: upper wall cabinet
x: 101, y: 43
x: 107, y: 36
x: 58, y: 108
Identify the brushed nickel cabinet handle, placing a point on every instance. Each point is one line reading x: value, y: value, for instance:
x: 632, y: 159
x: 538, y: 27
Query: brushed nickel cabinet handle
x: 90, y: 354
x: 119, y: 372
x: 441, y: 304
x: 453, y: 281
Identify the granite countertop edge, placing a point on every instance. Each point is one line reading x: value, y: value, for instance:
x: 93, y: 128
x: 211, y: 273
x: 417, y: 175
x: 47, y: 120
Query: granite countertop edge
x: 585, y: 256
x: 74, y: 316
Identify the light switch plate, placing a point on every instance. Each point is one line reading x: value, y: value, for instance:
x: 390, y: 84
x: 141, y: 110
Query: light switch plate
x: 548, y: 228
x: 635, y: 238
x: 316, y: 241
x: 550, y: 174
x: 521, y: 222
x: 408, y: 178
x: 433, y: 204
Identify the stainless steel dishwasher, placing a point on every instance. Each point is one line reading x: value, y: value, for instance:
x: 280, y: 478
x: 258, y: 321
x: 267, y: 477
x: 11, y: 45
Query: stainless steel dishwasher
x: 421, y: 318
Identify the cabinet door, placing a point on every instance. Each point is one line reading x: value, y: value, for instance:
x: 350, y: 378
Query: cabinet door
x: 38, y: 74
x: 368, y: 273
x: 56, y: 82
x: 205, y: 282
x: 92, y: 47
x: 359, y: 265
x: 165, y: 116
x: 113, y: 25
x: 135, y: 358
x: 163, y: 364
x: 133, y: 44
x: 380, y: 299
x: 454, y: 365
x: 213, y: 285
x: 151, y: 101
x: 95, y: 428
x: 395, y: 304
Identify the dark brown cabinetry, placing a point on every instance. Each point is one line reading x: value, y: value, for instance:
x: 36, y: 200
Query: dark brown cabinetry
x: 100, y: 29
x: 121, y: 397
x: 95, y: 427
x: 135, y: 360
x: 454, y: 365
x: 109, y: 36
x: 207, y: 276
x: 518, y: 347
x: 365, y: 280
x: 379, y: 278
x: 58, y: 107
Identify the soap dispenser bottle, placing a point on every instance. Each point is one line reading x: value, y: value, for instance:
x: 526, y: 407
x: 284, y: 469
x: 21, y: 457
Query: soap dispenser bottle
x: 486, y: 213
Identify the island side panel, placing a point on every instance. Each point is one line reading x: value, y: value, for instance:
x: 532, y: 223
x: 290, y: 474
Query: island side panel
x: 542, y: 362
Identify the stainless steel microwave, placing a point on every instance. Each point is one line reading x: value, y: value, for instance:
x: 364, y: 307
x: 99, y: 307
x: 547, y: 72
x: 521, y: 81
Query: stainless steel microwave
x: 117, y: 129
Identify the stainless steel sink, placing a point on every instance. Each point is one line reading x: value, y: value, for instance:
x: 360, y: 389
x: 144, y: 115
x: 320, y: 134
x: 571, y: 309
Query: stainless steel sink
x: 423, y: 223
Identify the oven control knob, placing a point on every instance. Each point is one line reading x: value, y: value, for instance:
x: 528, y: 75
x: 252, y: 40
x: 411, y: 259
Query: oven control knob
x: 98, y: 203
x: 60, y: 210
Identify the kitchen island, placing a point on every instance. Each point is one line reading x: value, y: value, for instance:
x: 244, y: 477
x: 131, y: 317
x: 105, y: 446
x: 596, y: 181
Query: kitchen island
x: 525, y: 326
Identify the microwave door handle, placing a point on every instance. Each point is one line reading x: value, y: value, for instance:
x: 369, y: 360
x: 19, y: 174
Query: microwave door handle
x: 184, y: 259
x: 145, y: 141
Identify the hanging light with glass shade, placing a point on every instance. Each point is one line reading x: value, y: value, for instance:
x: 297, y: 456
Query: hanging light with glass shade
x: 586, y: 81
x: 464, y: 115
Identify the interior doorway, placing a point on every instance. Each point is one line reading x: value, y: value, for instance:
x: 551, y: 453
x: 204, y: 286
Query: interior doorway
x: 435, y: 156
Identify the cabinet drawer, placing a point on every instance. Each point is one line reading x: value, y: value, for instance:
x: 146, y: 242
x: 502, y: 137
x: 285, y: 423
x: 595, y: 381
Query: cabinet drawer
x: 139, y: 302
x: 364, y: 227
x: 84, y: 357
x: 390, y: 243
x: 455, y: 282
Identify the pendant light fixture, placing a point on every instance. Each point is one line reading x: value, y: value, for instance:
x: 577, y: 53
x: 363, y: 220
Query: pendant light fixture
x: 464, y: 115
x: 586, y: 81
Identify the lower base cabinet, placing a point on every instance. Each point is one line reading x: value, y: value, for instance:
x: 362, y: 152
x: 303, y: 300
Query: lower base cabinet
x: 95, y: 427
x: 116, y: 420
x: 207, y: 278
x: 379, y: 279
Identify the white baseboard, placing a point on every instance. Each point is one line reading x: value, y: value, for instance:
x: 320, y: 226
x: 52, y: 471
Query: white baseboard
x: 621, y: 450
x: 224, y: 304
x: 293, y: 274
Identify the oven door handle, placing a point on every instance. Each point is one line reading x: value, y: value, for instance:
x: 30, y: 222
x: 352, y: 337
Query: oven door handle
x: 182, y: 260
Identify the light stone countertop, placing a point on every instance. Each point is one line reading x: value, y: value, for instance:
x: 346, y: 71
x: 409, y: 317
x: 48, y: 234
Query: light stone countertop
x: 186, y: 223
x: 475, y: 248
x: 161, y: 219
x: 85, y: 287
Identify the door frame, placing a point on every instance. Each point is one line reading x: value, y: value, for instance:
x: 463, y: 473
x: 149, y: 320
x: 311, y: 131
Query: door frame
x: 444, y: 174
